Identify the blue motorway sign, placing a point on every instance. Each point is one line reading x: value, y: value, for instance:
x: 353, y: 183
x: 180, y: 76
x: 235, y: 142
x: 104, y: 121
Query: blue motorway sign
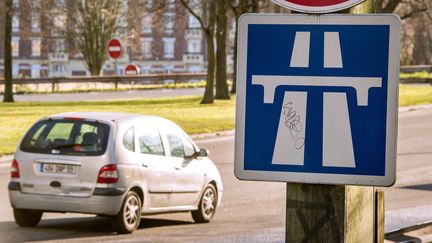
x: 317, y: 98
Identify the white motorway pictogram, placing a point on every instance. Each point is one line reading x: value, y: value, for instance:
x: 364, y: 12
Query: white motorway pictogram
x: 337, y: 139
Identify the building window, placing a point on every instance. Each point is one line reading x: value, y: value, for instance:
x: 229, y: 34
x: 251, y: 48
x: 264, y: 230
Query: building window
x: 59, y: 45
x: 146, y: 24
x: 15, y: 23
x: 15, y: 46
x: 15, y: 70
x: 60, y: 21
x: 59, y: 68
x: 194, y: 46
x: 168, y: 47
x: 193, y: 23
x: 169, y: 22
x: 36, y: 47
x: 148, y: 4
x: 123, y: 11
x: 35, y: 71
x: 16, y: 3
x: 146, y: 47
x: 35, y: 22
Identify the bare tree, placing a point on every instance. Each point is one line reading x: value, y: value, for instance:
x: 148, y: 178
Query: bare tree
x: 404, y: 8
x: 8, y: 93
x: 239, y: 7
x: 205, y: 12
x: 96, y: 22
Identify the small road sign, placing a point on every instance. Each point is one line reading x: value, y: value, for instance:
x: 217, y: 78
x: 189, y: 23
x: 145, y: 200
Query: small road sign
x: 317, y: 6
x: 132, y: 69
x: 317, y: 98
x: 115, y: 48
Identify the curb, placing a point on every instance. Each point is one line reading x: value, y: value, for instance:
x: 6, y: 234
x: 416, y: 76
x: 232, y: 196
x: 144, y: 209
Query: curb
x: 414, y: 108
x: 211, y: 135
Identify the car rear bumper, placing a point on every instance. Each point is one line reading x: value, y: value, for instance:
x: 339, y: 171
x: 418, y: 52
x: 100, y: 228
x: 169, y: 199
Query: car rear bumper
x: 106, y: 202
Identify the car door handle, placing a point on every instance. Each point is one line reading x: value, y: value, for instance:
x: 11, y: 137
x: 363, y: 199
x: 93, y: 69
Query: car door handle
x: 178, y: 167
x: 145, y: 165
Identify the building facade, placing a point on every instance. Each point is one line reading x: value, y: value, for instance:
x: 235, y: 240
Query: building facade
x: 159, y: 40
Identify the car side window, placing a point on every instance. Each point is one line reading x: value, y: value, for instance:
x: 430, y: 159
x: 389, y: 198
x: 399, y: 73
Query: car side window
x: 129, y: 139
x: 150, y: 142
x: 179, y: 145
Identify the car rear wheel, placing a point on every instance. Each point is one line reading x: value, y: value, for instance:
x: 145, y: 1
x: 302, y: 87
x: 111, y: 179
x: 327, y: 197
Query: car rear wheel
x: 207, y: 205
x: 129, y: 216
x: 27, y: 217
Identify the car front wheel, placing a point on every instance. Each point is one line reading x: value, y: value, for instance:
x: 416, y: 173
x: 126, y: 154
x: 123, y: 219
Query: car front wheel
x: 207, y: 206
x: 129, y: 216
x: 27, y: 217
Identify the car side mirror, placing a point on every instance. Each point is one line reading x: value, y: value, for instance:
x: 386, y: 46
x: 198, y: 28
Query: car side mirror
x: 201, y: 153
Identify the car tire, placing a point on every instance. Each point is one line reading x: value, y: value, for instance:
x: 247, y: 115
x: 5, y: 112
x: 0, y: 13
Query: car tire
x: 129, y: 217
x: 27, y: 217
x: 207, y: 205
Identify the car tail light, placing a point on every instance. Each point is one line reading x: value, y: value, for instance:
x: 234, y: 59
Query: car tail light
x: 15, y: 169
x: 108, y: 174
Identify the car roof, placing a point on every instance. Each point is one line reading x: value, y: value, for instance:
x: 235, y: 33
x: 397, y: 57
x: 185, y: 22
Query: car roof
x: 105, y: 116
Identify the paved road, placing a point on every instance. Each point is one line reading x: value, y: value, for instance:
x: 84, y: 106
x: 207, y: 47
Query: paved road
x: 251, y: 211
x: 409, y: 201
x: 86, y: 96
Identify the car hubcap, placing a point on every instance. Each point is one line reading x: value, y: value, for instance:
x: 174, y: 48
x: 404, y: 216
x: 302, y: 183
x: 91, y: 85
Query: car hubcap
x: 131, y: 211
x: 208, y: 202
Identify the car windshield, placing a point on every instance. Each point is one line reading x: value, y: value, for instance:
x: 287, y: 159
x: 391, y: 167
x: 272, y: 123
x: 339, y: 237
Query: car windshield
x: 67, y: 137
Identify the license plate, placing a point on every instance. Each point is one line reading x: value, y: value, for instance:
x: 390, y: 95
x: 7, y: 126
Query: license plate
x: 57, y: 168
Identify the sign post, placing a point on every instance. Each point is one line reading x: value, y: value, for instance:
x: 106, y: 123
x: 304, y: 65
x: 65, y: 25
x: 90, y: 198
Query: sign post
x: 115, y: 51
x: 317, y: 104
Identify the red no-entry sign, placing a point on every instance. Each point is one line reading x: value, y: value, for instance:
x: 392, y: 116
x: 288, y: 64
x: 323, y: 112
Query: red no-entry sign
x: 317, y: 6
x: 115, y: 48
x: 132, y: 69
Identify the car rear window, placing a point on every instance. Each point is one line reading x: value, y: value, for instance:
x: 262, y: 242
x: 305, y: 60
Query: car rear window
x: 66, y: 137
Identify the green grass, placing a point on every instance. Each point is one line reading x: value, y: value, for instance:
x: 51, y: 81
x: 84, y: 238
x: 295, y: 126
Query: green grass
x: 195, y: 118
x: 16, y: 118
x: 414, y: 95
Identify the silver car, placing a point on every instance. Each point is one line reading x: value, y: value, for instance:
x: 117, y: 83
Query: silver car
x: 111, y: 164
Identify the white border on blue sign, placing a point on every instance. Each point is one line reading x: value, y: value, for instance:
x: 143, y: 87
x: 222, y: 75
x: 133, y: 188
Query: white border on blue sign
x: 393, y: 21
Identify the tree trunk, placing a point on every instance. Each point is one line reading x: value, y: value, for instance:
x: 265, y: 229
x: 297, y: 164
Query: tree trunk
x: 8, y: 93
x: 221, y: 53
x: 209, y: 89
x: 234, y: 82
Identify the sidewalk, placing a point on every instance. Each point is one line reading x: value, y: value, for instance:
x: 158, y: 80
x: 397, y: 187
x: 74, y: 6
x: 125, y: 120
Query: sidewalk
x: 6, y: 159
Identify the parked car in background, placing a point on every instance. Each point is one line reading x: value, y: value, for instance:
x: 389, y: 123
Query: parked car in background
x: 111, y: 164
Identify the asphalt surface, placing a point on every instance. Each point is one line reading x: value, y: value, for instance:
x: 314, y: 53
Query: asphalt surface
x: 107, y: 95
x: 250, y: 211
